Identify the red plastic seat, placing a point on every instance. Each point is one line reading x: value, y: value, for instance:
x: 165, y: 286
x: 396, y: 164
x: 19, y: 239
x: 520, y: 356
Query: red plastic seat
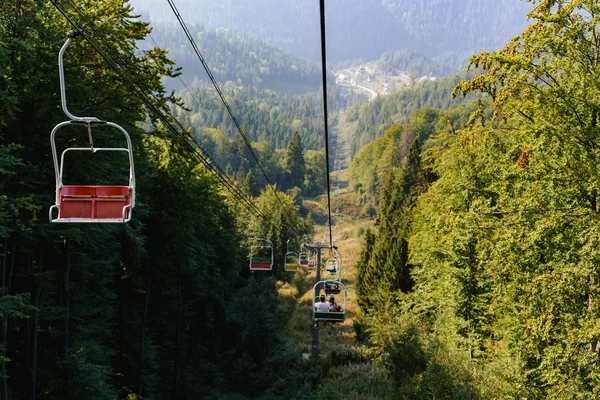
x: 259, y: 263
x: 93, y: 202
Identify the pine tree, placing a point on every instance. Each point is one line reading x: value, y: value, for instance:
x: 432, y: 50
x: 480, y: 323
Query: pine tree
x: 250, y: 185
x: 294, y: 161
x: 364, y: 283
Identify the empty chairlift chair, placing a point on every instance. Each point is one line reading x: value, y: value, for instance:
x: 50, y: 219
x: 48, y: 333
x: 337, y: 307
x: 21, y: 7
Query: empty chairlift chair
x: 261, y: 255
x: 303, y: 259
x: 87, y: 203
x: 312, y: 260
x: 291, y: 262
x: 291, y: 259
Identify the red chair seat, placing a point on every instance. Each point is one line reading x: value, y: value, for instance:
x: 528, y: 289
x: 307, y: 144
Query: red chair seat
x: 93, y: 202
x: 261, y: 265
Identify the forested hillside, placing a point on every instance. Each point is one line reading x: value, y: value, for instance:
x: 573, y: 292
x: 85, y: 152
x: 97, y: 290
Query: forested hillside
x: 266, y: 115
x: 480, y: 280
x: 231, y: 57
x: 373, y: 161
x: 411, y: 61
x: 374, y: 117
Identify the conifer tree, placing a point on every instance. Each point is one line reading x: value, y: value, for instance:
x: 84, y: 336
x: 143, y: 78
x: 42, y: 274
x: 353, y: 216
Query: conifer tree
x: 250, y: 185
x: 364, y: 283
x: 294, y: 161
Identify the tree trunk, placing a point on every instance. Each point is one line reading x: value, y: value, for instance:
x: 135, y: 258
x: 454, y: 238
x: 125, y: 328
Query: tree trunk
x: 176, y: 368
x: 35, y: 298
x: 143, y: 328
x: 65, y: 299
x: 4, y: 322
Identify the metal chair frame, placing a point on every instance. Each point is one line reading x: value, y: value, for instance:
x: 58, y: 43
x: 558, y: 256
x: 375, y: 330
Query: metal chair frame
x: 254, y: 249
x: 83, y: 199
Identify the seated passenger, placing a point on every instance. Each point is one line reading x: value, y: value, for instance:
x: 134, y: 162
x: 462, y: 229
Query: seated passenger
x: 332, y: 305
x: 322, y: 305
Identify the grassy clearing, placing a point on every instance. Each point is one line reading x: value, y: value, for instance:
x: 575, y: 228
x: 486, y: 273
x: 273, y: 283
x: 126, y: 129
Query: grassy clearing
x: 341, y: 370
x: 348, y: 227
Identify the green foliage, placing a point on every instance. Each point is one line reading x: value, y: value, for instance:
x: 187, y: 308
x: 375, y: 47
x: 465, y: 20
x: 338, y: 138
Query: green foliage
x: 236, y: 58
x: 363, y: 284
x: 398, y: 108
x: 502, y: 242
x: 294, y: 161
x: 268, y: 117
x: 315, y: 181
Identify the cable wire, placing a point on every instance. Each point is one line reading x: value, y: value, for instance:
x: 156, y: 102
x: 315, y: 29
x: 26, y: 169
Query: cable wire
x: 221, y: 95
x: 324, y: 73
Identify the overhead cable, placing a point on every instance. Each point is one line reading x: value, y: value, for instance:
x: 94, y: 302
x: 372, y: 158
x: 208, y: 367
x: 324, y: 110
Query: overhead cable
x: 324, y: 74
x: 221, y: 95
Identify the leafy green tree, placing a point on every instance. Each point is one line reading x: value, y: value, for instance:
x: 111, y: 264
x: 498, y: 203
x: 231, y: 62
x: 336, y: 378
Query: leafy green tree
x: 315, y: 180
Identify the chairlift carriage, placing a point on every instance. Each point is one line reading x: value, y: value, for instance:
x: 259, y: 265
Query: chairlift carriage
x: 303, y: 258
x: 291, y: 262
x: 87, y: 203
x: 332, y: 314
x: 291, y: 259
x: 261, y: 255
x: 312, y: 260
x: 333, y: 265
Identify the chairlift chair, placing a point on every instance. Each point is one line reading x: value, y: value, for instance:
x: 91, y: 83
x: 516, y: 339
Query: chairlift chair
x: 86, y: 203
x: 312, y: 260
x: 329, y: 316
x: 291, y: 262
x: 333, y: 266
x: 303, y: 259
x: 261, y: 255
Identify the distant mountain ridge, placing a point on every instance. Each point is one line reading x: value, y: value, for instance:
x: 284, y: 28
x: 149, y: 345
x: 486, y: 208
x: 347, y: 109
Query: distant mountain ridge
x: 358, y: 28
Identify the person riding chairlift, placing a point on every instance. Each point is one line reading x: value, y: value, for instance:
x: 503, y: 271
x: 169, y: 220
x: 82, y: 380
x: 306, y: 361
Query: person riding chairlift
x: 332, y: 305
x: 322, y: 305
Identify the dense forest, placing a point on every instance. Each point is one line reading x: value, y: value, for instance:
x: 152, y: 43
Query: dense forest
x: 371, y: 119
x: 411, y: 61
x: 480, y: 280
x: 270, y: 120
x: 267, y: 116
x: 157, y: 308
x: 242, y: 60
